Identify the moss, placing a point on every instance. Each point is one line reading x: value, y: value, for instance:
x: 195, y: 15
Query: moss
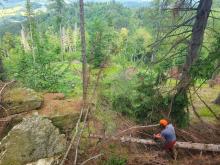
x: 20, y: 95
x: 66, y: 122
x: 14, y: 157
x: 18, y: 100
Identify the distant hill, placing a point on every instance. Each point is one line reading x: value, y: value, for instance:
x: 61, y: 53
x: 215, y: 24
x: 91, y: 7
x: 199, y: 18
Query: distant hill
x: 12, y: 12
x: 129, y: 3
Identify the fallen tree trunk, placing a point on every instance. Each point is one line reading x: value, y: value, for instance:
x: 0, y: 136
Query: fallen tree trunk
x: 183, y: 145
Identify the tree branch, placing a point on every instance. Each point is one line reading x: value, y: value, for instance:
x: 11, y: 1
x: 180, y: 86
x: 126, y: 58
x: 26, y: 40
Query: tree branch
x: 94, y: 157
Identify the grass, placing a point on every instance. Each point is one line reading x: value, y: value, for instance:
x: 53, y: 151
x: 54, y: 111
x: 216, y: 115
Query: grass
x: 208, y: 95
x: 204, y: 111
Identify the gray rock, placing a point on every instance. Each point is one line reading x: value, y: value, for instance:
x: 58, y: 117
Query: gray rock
x: 46, y: 161
x: 33, y: 139
x: 17, y: 100
x: 217, y: 100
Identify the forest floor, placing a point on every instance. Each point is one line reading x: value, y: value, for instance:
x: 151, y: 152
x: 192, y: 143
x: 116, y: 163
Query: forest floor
x: 135, y: 154
x: 106, y: 122
x: 111, y: 123
x: 57, y: 104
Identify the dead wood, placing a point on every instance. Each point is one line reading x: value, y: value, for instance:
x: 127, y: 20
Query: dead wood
x: 136, y: 128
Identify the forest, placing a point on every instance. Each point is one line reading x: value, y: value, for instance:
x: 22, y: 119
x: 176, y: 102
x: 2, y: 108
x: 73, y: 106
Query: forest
x: 88, y: 82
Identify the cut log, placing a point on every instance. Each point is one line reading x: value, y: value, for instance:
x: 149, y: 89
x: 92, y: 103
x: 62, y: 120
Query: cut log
x: 183, y: 145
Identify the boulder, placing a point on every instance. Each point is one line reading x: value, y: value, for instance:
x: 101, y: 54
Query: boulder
x: 33, y: 139
x: 65, y: 123
x: 17, y: 100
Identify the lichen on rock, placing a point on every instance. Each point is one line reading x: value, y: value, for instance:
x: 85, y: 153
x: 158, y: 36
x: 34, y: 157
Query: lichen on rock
x: 33, y: 139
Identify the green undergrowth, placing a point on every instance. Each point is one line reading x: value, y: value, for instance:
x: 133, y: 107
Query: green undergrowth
x: 204, y: 111
x: 115, y: 160
x: 107, y: 119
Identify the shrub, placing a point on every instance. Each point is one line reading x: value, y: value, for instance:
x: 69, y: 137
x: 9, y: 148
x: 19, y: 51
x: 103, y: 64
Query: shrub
x: 148, y: 101
x: 114, y: 160
x: 141, y: 99
x: 178, y: 113
x: 123, y: 105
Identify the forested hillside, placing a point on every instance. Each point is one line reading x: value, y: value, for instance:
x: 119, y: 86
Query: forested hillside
x: 80, y: 79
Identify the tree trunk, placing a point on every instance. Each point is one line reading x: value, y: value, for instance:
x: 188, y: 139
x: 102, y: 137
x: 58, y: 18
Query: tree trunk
x: 183, y: 145
x: 75, y: 36
x: 61, y: 43
x: 179, y: 101
x: 195, y: 44
x: 2, y: 71
x: 30, y: 22
x: 83, y: 44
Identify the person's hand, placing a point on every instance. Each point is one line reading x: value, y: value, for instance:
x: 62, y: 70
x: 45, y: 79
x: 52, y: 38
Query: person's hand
x: 157, y: 136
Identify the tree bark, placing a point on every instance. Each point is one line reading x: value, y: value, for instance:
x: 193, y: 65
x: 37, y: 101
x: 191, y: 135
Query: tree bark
x: 2, y: 71
x: 83, y: 44
x: 183, y: 145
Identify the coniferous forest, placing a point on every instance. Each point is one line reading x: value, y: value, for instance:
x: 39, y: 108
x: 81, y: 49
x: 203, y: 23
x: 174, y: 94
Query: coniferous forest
x: 87, y: 82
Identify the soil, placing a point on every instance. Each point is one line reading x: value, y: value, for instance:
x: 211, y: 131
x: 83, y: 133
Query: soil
x: 56, y: 104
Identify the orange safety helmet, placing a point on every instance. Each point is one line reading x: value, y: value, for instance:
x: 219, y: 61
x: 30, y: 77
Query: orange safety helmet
x: 163, y: 122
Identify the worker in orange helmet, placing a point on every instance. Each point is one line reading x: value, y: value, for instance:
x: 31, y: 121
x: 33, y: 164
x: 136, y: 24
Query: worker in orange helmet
x: 169, y: 136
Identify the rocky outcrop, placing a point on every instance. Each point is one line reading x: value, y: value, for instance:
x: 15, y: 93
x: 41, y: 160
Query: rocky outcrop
x: 63, y: 113
x: 33, y: 139
x: 17, y: 100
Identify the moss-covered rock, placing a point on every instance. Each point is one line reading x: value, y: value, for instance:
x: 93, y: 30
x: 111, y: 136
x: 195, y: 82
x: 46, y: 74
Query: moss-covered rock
x: 33, y: 139
x: 17, y: 100
x: 65, y: 123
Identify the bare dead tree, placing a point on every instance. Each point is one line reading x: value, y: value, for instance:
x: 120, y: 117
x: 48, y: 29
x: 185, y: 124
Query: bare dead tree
x: 191, y: 19
x: 83, y: 43
x: 195, y: 44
